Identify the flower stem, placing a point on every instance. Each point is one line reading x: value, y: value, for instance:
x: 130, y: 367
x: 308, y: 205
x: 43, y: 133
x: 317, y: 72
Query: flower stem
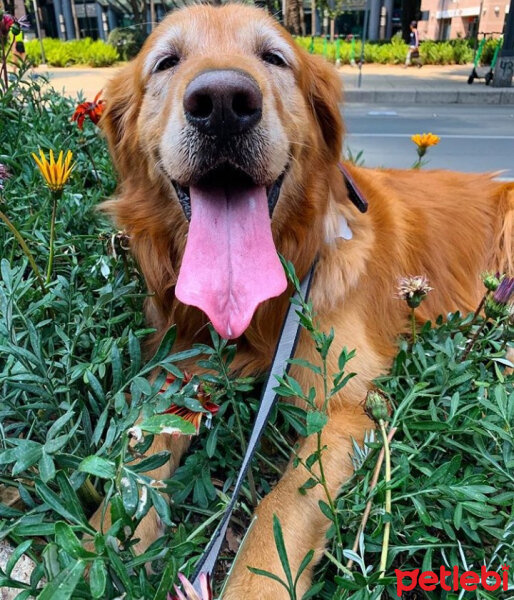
x: 369, y: 503
x: 387, y: 527
x: 3, y: 71
x: 480, y: 306
x: 473, y: 340
x: 55, y: 198
x: 413, y: 325
x: 25, y: 249
x: 85, y: 146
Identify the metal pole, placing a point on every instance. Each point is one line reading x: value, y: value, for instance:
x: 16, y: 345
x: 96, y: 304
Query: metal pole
x: 38, y: 29
x: 504, y: 69
x: 75, y: 19
x: 313, y: 18
x: 152, y: 14
x: 364, y: 33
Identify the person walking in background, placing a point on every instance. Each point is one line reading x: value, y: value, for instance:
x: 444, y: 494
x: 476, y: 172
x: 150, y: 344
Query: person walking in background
x: 413, y: 52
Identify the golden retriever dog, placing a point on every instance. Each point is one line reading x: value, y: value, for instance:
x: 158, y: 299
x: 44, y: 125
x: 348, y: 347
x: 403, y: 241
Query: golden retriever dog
x: 226, y: 137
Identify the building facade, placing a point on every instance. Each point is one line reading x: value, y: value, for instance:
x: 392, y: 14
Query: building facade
x: 73, y: 19
x: 452, y: 19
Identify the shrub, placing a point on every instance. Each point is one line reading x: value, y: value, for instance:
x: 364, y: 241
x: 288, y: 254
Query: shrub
x: 72, y: 52
x: 100, y: 54
x: 127, y: 41
x: 394, y: 52
x: 488, y: 52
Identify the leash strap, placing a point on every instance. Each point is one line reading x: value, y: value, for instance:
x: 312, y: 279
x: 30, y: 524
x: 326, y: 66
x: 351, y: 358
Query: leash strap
x: 284, y: 351
x: 354, y: 192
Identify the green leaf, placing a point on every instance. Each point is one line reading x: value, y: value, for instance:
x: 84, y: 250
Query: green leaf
x: 95, y: 385
x: 55, y: 503
x: 129, y: 492
x: 309, y: 484
x: 304, y: 564
x: 150, y: 463
x: 65, y: 538
x: 316, y: 420
x: 267, y: 574
x: 314, y: 590
x: 166, y: 423
x: 28, y: 455
x: 97, y: 579
x: 282, y: 552
x: 96, y: 465
x: 46, y: 467
x: 161, y: 506
x: 212, y: 441
x: 63, y: 586
x: 134, y: 352
x: 18, y: 552
x: 165, y: 346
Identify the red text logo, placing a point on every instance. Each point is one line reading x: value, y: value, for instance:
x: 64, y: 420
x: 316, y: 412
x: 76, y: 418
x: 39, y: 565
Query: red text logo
x: 451, y: 580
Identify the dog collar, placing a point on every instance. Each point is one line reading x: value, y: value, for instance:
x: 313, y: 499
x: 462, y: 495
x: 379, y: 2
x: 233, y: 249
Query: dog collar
x: 354, y: 193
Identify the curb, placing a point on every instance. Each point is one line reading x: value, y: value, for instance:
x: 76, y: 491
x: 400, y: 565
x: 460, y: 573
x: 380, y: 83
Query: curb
x: 410, y: 96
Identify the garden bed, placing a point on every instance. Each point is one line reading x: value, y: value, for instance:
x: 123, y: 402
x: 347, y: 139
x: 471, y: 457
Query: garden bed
x: 72, y: 353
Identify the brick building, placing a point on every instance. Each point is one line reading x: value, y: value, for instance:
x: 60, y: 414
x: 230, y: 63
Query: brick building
x: 450, y: 19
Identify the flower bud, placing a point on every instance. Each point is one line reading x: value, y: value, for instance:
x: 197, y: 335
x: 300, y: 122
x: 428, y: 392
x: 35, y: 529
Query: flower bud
x: 376, y: 406
x: 491, y: 281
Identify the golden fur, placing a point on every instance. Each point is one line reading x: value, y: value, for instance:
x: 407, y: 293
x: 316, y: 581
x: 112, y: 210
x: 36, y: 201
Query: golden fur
x: 449, y: 226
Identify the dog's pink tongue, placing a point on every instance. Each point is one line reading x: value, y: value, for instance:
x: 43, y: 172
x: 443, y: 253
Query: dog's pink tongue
x: 230, y: 264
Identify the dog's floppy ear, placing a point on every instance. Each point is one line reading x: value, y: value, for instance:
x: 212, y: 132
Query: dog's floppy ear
x: 118, y: 122
x: 324, y: 93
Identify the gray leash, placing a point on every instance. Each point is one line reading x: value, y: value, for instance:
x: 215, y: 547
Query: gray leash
x: 284, y: 351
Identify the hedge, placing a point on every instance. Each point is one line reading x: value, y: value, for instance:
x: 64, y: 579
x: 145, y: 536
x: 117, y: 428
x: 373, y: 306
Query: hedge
x: 73, y: 52
x: 394, y: 52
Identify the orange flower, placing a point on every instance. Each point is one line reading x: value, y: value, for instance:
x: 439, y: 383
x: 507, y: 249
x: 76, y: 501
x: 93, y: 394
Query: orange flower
x: 425, y: 140
x: 93, y: 110
x: 55, y: 172
x: 186, y: 413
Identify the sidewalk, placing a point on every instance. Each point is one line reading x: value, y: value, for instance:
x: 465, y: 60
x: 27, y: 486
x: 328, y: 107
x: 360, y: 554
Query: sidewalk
x: 432, y: 84
x: 384, y: 84
x: 72, y: 81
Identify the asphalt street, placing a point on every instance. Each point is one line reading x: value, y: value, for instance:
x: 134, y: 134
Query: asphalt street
x: 473, y: 138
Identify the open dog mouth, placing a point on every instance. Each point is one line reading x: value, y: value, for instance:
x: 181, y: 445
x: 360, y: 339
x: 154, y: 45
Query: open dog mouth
x: 230, y: 263
x: 228, y: 175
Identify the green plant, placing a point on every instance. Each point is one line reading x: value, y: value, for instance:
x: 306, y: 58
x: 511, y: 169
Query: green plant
x: 393, y: 52
x: 127, y: 41
x: 66, y: 53
x: 71, y: 350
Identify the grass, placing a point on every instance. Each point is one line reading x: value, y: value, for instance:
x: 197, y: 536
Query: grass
x: 73, y: 351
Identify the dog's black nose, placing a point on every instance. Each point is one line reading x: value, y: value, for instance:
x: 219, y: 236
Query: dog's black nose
x: 223, y: 102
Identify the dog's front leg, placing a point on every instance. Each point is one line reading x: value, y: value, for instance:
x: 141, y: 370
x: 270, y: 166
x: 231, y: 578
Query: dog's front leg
x: 303, y: 525
x: 150, y: 527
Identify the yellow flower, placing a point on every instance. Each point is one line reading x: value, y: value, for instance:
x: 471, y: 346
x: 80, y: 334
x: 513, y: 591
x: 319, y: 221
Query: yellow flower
x: 425, y: 140
x: 55, y: 174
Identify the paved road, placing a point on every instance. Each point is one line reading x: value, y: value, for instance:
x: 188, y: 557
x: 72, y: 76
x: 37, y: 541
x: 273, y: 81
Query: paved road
x: 473, y: 138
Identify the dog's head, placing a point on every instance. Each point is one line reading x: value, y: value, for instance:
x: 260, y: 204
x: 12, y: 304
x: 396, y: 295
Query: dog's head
x: 226, y: 116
